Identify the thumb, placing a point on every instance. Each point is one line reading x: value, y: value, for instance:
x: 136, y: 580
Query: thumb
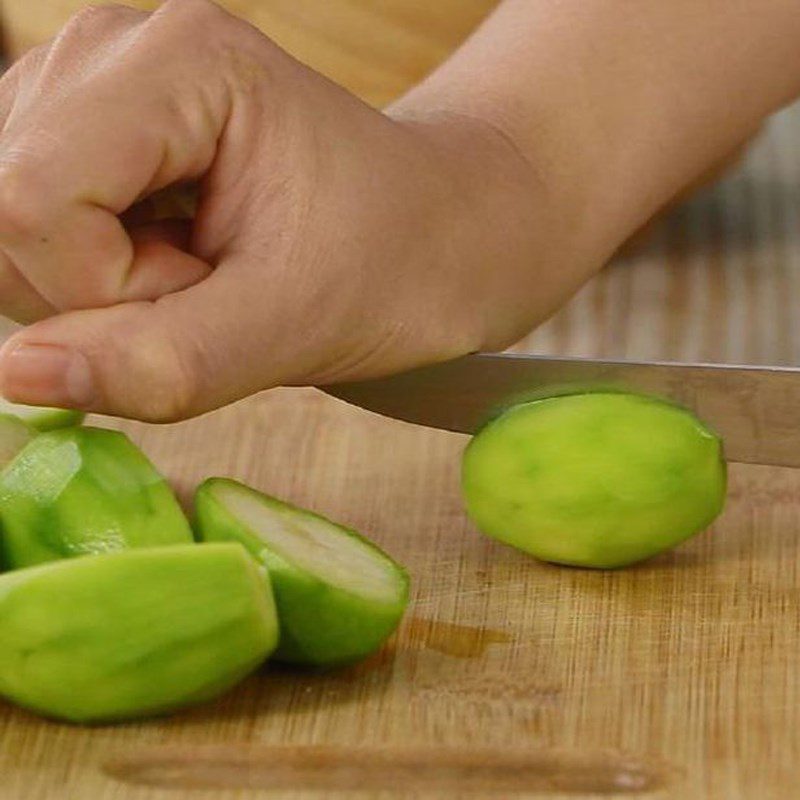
x: 159, y: 361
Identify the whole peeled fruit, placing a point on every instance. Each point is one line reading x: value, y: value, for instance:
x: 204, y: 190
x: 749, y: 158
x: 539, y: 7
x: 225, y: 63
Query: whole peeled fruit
x: 594, y: 480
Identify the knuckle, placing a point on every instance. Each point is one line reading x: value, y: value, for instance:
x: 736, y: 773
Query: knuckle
x: 191, y: 6
x: 162, y: 408
x: 168, y: 385
x: 199, y: 10
x: 81, y: 296
x: 205, y: 25
x: 169, y: 398
x: 199, y: 26
x: 214, y: 36
x: 93, y: 16
x: 143, y: 370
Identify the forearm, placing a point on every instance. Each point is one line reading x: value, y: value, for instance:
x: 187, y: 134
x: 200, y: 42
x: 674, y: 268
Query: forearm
x: 333, y: 242
x: 618, y: 105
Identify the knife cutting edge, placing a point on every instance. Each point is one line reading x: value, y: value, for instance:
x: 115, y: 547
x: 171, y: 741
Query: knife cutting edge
x: 756, y: 410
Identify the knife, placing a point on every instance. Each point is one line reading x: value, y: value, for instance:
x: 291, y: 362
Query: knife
x: 756, y: 410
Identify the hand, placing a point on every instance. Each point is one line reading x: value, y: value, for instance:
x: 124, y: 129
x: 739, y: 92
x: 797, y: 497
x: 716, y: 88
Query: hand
x: 330, y: 242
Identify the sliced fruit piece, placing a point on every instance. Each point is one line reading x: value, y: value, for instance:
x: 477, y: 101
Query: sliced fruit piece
x: 78, y: 491
x: 14, y: 435
x: 339, y: 597
x: 594, y: 480
x: 43, y: 418
x: 131, y: 634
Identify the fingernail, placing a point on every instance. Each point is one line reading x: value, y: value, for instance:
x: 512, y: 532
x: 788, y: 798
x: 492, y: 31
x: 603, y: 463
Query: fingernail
x: 47, y: 374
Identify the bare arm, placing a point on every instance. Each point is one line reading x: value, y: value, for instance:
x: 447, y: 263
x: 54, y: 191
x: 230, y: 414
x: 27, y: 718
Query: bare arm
x: 332, y: 241
x: 619, y: 104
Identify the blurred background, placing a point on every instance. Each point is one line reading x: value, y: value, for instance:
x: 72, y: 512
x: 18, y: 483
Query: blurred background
x: 715, y: 280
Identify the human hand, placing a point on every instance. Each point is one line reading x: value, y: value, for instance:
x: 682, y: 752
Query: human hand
x: 331, y: 241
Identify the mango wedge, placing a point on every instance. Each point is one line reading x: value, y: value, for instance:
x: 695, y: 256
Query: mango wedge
x: 42, y: 418
x: 132, y: 634
x: 339, y: 597
x: 81, y: 491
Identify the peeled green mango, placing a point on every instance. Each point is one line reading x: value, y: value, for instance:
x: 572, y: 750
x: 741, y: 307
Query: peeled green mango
x: 79, y: 491
x: 594, y: 480
x: 135, y: 633
x: 339, y: 597
x: 43, y: 418
x: 14, y: 435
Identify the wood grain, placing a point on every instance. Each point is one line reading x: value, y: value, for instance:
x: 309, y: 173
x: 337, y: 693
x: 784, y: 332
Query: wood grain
x: 674, y: 679
x: 679, y: 678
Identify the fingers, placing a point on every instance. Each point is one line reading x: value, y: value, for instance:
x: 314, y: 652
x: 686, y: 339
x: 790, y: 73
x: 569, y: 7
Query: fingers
x: 11, y: 81
x: 178, y: 357
x: 19, y: 301
x: 175, y: 232
x: 122, y: 105
x: 160, y: 264
x: 8, y: 91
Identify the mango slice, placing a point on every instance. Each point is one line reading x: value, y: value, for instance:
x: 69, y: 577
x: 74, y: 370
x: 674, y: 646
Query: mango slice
x: 132, y: 634
x: 43, y: 418
x: 79, y: 491
x: 339, y: 597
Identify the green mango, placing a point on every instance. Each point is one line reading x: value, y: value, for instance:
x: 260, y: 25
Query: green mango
x: 135, y: 633
x: 80, y: 491
x: 14, y: 435
x: 42, y: 418
x: 594, y: 480
x: 339, y: 597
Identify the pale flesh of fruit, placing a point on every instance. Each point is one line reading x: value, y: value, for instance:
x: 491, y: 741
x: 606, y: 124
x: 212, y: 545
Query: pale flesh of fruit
x: 339, y: 596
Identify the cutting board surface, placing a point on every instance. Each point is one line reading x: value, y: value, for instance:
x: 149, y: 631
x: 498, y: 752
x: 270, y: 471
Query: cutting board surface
x: 679, y: 678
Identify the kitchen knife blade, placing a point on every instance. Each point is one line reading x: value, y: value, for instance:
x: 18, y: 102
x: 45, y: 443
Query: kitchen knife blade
x: 756, y: 410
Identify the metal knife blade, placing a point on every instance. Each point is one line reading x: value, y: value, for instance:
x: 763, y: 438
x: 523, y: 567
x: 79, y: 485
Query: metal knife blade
x: 756, y: 410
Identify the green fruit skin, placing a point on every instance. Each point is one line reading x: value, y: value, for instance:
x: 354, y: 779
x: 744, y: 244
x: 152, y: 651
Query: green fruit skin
x: 43, y: 418
x: 320, y: 625
x: 51, y: 419
x: 57, y: 418
x: 132, y: 634
x: 80, y: 491
x: 594, y: 480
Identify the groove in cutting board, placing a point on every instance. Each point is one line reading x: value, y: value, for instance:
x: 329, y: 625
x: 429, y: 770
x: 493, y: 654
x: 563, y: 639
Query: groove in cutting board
x: 408, y: 769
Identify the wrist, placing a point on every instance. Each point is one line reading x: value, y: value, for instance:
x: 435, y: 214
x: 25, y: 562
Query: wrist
x: 518, y: 242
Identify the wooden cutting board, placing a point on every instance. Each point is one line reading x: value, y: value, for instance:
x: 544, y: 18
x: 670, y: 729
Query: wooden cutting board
x: 679, y: 678
x: 510, y: 678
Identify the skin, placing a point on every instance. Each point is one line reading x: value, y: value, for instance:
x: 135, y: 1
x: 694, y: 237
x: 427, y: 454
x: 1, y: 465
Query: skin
x: 332, y: 241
